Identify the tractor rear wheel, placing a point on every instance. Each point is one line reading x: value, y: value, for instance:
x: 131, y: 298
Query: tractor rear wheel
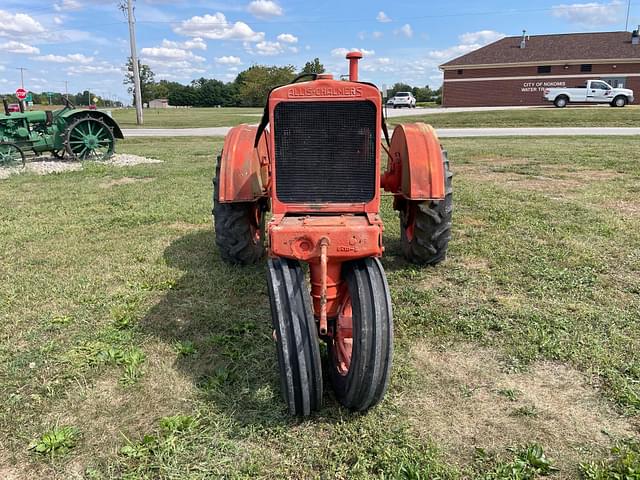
x: 239, y: 227
x: 89, y: 138
x: 11, y: 155
x: 425, y: 227
x: 296, y: 336
x: 361, y: 348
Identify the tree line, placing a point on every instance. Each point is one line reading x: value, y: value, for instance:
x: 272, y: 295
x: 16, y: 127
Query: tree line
x: 249, y: 89
x: 56, y: 98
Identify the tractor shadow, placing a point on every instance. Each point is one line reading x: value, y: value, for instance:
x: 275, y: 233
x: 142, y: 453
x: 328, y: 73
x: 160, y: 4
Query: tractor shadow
x: 218, y: 320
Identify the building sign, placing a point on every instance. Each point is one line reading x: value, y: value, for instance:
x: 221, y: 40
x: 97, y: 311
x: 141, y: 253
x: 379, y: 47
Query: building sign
x: 539, y: 86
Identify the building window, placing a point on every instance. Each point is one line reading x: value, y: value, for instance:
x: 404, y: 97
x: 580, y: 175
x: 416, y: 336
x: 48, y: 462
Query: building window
x: 586, y: 67
x: 460, y: 71
x: 544, y: 69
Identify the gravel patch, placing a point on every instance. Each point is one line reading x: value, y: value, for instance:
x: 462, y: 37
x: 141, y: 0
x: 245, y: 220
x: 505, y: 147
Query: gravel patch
x: 48, y: 165
x: 125, y: 159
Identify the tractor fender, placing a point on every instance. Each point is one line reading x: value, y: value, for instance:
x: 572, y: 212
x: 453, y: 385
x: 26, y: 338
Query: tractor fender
x: 243, y: 167
x: 71, y: 115
x: 415, y: 169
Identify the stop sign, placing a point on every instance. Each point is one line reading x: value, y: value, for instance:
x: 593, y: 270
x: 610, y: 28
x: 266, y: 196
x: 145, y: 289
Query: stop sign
x: 21, y: 93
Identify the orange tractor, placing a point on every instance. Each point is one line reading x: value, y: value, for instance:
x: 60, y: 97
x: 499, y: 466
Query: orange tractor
x: 314, y: 163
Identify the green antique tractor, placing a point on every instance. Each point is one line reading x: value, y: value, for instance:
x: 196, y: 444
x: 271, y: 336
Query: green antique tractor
x: 78, y: 133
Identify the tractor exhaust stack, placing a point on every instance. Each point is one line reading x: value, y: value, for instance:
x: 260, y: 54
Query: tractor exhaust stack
x: 6, y: 107
x: 353, y: 58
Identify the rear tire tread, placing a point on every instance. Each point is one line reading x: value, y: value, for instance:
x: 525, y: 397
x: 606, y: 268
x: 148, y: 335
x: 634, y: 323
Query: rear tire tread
x: 232, y: 223
x: 432, y: 226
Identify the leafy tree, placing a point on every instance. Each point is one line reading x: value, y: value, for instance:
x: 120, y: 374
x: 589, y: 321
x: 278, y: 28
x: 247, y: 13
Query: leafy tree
x: 146, y: 81
x: 255, y: 83
x: 313, y: 67
x: 399, y: 87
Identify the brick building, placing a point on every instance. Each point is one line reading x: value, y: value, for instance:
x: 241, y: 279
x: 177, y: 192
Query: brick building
x: 516, y: 70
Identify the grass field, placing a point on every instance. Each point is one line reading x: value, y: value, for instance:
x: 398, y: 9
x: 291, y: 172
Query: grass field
x: 535, y: 117
x: 129, y: 350
x: 539, y: 117
x: 188, y: 117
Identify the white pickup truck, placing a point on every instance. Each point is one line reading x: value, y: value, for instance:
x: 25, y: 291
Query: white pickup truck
x: 593, y: 91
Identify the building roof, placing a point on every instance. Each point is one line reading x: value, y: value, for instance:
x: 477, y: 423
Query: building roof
x: 550, y: 48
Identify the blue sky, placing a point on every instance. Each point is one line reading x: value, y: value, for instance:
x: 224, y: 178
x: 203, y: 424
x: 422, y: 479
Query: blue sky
x: 85, y: 42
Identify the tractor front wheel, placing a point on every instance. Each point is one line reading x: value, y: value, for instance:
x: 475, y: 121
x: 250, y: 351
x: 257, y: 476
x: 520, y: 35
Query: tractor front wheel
x: 425, y: 227
x: 296, y: 336
x: 361, y: 348
x: 11, y: 155
x: 239, y: 227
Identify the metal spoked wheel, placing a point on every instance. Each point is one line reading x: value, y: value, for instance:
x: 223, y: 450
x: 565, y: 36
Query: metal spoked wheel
x: 11, y: 155
x: 89, y: 138
x: 361, y: 349
x: 296, y: 337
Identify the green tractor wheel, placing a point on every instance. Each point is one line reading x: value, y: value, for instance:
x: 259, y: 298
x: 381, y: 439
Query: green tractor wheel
x: 89, y: 138
x: 11, y: 155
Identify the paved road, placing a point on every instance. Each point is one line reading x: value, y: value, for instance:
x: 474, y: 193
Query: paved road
x: 442, y: 132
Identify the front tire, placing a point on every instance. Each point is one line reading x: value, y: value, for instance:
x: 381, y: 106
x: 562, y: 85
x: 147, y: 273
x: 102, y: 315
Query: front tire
x: 239, y: 228
x: 361, y: 348
x: 296, y: 337
x: 425, y: 227
x: 620, y: 101
x: 561, y: 101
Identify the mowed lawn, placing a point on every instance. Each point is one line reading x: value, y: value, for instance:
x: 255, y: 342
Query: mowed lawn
x: 129, y: 350
x: 581, y: 116
x: 187, y: 117
x: 536, y: 117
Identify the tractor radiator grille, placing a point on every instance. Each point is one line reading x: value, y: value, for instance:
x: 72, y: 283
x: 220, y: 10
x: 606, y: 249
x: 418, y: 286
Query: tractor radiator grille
x: 325, y: 151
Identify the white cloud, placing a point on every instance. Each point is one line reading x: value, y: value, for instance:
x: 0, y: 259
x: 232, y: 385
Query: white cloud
x: 18, y: 25
x: 591, y: 14
x: 287, y: 38
x: 468, y: 42
x: 482, y: 37
x: 265, y: 9
x: 384, y: 61
x: 195, y: 44
x: 342, y: 52
x: 216, y: 27
x: 169, y: 54
x: 268, y: 48
x: 229, y: 60
x: 58, y: 20
x: 77, y: 58
x: 383, y: 17
x: 102, y: 68
x: 18, y: 47
x: 405, y: 30
x: 67, y: 5
x: 376, y: 35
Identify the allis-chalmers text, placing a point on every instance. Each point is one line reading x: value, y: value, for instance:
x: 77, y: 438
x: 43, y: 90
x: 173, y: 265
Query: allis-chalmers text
x: 324, y: 92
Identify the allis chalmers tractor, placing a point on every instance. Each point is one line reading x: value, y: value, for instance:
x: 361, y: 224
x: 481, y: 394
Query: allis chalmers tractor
x: 81, y: 134
x: 314, y: 162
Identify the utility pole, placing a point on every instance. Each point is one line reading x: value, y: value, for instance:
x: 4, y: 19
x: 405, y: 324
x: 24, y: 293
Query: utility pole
x: 134, y: 63
x: 22, y: 69
x: 626, y: 25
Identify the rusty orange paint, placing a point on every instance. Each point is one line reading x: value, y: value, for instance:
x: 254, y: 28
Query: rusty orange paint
x: 244, y: 170
x: 341, y: 237
x: 326, y: 91
x: 415, y: 169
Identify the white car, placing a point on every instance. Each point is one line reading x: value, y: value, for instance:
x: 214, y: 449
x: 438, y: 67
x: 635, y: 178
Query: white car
x: 402, y: 99
x: 593, y: 91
